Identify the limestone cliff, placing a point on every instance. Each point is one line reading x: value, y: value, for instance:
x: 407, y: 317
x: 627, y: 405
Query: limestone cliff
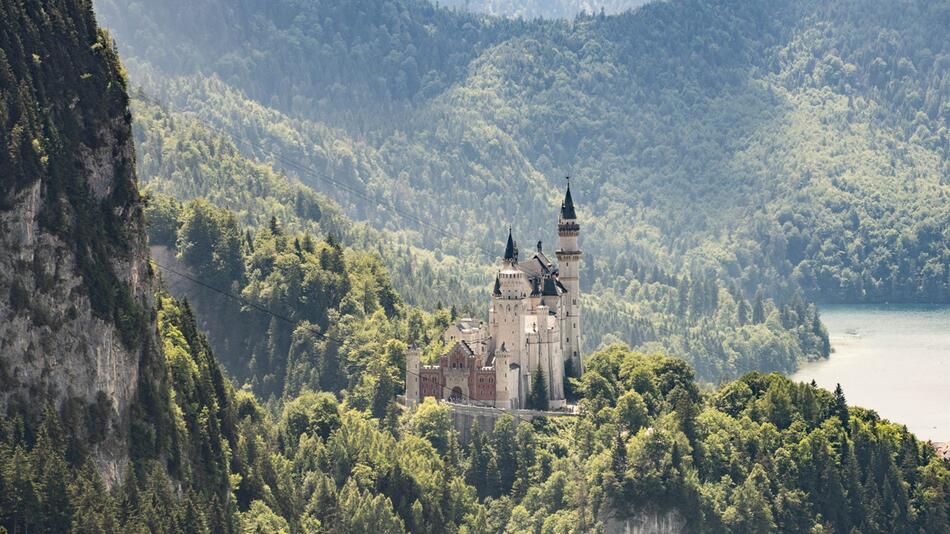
x: 647, y: 521
x: 77, y: 332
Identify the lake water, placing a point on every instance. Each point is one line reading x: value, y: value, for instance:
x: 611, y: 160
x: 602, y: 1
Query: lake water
x: 894, y: 359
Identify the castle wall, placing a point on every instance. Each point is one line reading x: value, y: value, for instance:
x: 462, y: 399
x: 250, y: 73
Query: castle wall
x: 465, y: 417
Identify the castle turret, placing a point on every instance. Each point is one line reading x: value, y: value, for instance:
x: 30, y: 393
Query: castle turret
x: 509, y: 304
x: 412, y: 376
x: 569, y: 263
x: 511, y: 250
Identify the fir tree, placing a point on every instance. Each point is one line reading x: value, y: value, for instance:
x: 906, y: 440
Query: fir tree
x: 538, y: 397
x: 841, y: 407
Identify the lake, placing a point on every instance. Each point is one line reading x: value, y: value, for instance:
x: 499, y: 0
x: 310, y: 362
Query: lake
x: 894, y: 359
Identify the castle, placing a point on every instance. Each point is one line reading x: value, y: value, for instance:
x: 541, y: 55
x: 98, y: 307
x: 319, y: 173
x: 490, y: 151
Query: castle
x: 534, y: 321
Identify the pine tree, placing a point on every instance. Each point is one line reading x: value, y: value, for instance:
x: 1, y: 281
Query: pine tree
x: 503, y: 442
x: 618, y: 457
x: 383, y: 393
x: 841, y: 408
x: 481, y: 464
x: 758, y: 309
x: 750, y: 507
x: 538, y: 397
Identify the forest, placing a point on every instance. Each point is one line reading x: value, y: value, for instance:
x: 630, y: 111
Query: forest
x: 265, y: 392
x: 761, y: 454
x: 788, y: 154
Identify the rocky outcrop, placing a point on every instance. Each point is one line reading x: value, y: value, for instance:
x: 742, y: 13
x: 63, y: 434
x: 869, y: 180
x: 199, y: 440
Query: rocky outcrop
x: 77, y: 330
x: 645, y: 522
x: 55, y: 349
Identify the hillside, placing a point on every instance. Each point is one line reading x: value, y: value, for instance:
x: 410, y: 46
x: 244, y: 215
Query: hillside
x: 74, y: 275
x: 799, y: 150
x: 117, y: 417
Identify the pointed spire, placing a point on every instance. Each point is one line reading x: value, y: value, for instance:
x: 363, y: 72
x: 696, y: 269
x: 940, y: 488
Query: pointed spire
x: 511, y: 249
x: 567, y: 207
x: 497, y: 290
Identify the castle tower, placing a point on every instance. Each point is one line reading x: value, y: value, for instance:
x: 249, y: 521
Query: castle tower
x: 569, y: 264
x: 509, y: 307
x: 412, y: 377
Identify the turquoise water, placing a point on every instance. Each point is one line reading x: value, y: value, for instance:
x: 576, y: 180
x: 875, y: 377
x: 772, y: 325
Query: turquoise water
x: 894, y: 359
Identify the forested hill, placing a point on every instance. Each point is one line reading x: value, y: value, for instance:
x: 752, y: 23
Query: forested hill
x: 798, y: 146
x: 762, y: 150
x: 97, y: 368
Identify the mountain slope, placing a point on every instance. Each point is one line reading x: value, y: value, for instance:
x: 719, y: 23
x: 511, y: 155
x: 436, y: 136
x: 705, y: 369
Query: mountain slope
x: 680, y: 119
x: 787, y: 150
x: 75, y: 315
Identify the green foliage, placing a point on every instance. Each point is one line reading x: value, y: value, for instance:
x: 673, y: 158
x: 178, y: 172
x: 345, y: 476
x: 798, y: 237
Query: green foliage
x: 803, y: 155
x: 538, y: 396
x: 182, y: 159
x: 49, y: 60
x: 433, y: 422
x: 313, y: 414
x: 209, y: 241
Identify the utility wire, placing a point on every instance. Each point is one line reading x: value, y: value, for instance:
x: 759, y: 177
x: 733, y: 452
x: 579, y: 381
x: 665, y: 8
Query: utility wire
x: 290, y: 321
x: 312, y: 173
x: 318, y: 176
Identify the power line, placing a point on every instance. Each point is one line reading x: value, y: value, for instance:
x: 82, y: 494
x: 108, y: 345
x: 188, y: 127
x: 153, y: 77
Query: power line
x: 319, y: 176
x: 290, y: 321
x: 308, y: 171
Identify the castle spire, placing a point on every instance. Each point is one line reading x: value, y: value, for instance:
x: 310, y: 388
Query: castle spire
x: 511, y: 249
x: 567, y: 207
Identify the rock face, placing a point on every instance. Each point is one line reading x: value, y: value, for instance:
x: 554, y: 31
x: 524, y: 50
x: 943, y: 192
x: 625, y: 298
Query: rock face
x: 76, y: 324
x: 646, y: 522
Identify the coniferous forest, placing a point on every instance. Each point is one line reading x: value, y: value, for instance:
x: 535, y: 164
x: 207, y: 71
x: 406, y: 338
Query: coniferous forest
x: 264, y: 205
x: 750, y: 155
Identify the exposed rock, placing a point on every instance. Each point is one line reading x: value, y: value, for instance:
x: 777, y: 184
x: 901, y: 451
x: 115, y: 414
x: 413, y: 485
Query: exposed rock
x: 645, y: 522
x: 56, y: 350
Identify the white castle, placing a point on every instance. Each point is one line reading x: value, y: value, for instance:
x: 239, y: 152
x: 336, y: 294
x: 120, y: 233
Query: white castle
x: 534, y: 321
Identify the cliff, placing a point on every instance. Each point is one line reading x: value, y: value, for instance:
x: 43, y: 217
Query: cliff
x: 77, y: 330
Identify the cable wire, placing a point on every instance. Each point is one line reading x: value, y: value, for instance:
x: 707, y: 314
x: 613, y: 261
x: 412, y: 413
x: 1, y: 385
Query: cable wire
x: 308, y: 171
x: 286, y: 319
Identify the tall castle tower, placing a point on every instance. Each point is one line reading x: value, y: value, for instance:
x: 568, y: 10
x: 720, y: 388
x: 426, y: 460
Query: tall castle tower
x: 533, y: 330
x: 569, y: 264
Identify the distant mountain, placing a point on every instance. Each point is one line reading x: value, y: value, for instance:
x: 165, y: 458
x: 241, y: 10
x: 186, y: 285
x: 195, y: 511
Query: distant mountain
x: 116, y: 417
x: 549, y: 9
x: 798, y: 148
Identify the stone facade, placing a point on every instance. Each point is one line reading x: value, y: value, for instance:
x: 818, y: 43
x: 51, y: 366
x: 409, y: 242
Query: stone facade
x: 533, y: 322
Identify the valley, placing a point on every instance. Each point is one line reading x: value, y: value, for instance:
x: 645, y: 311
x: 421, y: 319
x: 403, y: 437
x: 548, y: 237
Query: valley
x: 249, y: 247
